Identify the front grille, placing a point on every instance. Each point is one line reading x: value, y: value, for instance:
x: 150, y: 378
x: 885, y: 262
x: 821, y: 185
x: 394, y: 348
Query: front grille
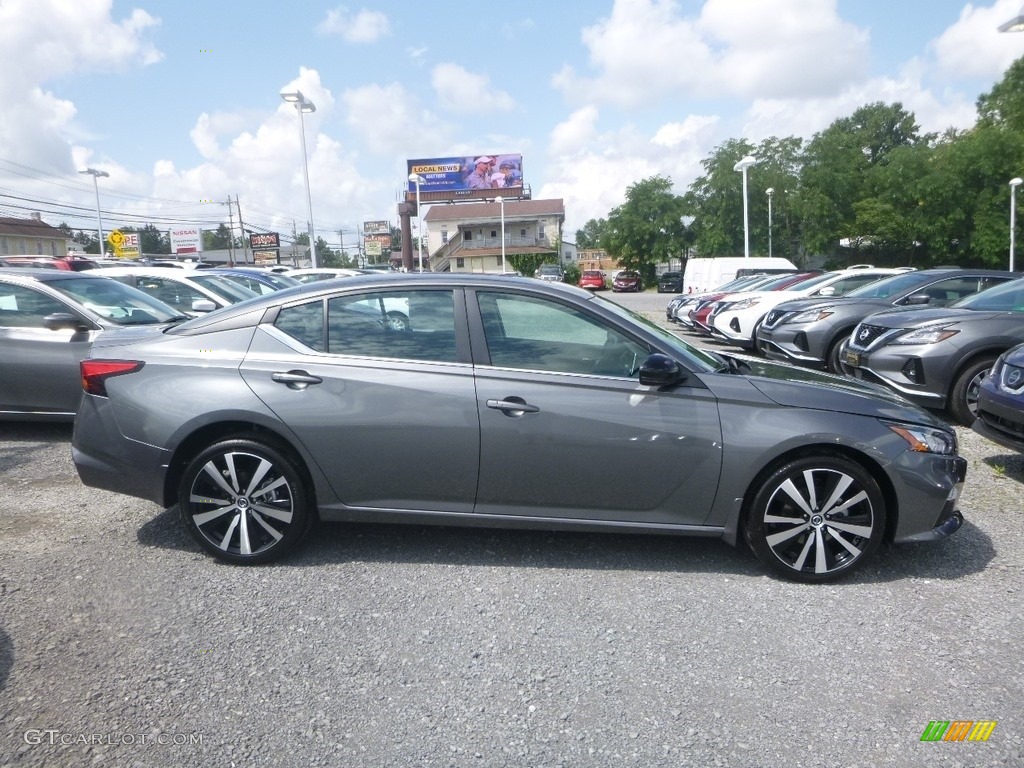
x: 1009, y: 426
x: 864, y: 335
x: 773, y: 317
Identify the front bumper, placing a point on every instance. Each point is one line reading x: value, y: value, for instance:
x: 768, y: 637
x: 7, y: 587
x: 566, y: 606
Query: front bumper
x: 1001, y: 422
x: 797, y: 344
x: 944, y: 474
x: 914, y: 375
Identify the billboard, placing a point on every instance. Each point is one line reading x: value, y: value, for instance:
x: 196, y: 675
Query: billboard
x: 376, y: 227
x: 374, y: 245
x: 473, y: 172
x: 264, y: 240
x: 126, y: 245
x: 186, y: 240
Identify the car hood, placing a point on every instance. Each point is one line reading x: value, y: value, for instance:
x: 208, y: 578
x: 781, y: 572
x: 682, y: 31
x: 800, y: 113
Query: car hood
x: 916, y: 318
x: 798, y: 305
x: 795, y: 387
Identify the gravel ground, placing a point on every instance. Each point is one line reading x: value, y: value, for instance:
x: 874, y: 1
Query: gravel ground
x: 122, y: 645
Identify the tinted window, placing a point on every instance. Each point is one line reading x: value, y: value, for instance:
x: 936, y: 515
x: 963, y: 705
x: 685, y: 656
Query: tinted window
x: 25, y: 308
x: 304, y: 323
x: 1008, y: 297
x: 412, y: 325
x: 539, y: 334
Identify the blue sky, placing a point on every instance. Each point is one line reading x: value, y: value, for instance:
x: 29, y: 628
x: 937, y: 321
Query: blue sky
x: 179, y: 100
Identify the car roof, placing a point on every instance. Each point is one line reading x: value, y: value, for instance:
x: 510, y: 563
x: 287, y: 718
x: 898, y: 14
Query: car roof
x: 383, y: 281
x: 43, y: 275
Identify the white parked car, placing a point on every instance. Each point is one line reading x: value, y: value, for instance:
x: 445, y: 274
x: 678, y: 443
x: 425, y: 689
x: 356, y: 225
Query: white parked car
x: 312, y: 274
x: 734, y: 319
x: 191, y: 292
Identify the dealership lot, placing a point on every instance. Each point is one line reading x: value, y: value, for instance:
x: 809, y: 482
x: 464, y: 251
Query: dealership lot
x: 122, y: 644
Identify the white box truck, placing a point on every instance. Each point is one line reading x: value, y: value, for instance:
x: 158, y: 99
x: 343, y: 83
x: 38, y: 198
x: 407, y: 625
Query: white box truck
x: 705, y: 274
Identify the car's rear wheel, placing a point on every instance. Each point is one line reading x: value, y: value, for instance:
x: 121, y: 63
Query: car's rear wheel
x: 244, y: 501
x: 816, y: 518
x: 963, y: 398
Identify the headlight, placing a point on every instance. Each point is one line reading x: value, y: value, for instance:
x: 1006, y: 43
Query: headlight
x: 745, y: 304
x: 925, y: 439
x: 929, y: 335
x: 811, y: 315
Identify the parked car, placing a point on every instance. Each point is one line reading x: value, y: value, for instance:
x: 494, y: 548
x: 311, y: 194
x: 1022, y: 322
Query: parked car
x: 670, y: 282
x: 298, y: 394
x: 810, y: 331
x: 736, y: 322
x: 258, y: 281
x: 699, y: 319
x: 628, y: 280
x: 593, y: 279
x: 313, y: 274
x: 192, y: 292
x: 678, y: 309
x: 49, y: 319
x: 551, y: 273
x: 939, y: 357
x: 36, y: 262
x: 1001, y: 401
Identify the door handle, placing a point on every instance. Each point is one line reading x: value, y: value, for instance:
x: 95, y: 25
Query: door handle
x: 295, y: 379
x: 513, y: 406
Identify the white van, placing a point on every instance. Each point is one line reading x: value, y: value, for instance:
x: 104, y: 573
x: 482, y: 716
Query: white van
x: 702, y: 275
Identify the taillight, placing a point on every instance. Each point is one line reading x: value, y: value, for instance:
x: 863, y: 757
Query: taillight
x: 96, y: 372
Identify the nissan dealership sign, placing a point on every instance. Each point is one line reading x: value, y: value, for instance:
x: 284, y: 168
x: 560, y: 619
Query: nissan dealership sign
x: 186, y: 240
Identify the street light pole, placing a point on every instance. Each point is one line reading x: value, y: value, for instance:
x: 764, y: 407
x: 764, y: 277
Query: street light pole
x: 416, y: 179
x: 304, y: 105
x: 99, y: 218
x: 1014, y: 183
x: 742, y: 166
x: 769, y: 192
x: 501, y: 206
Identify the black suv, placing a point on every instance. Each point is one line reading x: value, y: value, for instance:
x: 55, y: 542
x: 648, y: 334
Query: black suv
x: 670, y: 282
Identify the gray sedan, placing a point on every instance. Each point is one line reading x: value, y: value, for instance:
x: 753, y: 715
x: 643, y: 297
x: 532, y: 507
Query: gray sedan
x: 939, y: 357
x: 49, y: 319
x: 810, y: 331
x: 502, y: 402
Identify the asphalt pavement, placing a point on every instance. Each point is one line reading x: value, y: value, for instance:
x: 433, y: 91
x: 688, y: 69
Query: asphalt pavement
x: 122, y: 645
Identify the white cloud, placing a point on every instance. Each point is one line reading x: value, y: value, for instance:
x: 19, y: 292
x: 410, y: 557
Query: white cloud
x: 974, y: 47
x: 647, y: 50
x: 362, y: 27
x: 388, y: 120
x: 41, y: 40
x: 462, y: 91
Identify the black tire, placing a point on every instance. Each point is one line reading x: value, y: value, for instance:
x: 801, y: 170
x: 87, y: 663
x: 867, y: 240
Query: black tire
x: 963, y: 397
x: 398, y: 321
x: 833, y: 363
x: 791, y: 530
x: 245, y: 501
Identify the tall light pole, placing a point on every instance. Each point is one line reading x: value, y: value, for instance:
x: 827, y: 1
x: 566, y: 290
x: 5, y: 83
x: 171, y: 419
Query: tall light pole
x: 99, y: 218
x: 501, y: 206
x: 769, y: 192
x: 742, y: 166
x: 416, y: 179
x: 1014, y: 183
x: 1016, y: 24
x: 304, y: 105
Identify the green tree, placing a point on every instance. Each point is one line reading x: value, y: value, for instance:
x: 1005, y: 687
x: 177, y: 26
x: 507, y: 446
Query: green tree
x: 219, y: 239
x: 715, y: 200
x: 589, y: 236
x: 648, y: 228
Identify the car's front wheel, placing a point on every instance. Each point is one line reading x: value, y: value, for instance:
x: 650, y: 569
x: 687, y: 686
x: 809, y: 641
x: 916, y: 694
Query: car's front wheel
x: 244, y: 501
x: 816, y: 518
x: 963, y: 397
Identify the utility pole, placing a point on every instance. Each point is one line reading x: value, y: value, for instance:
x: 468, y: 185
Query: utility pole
x: 241, y: 228
x: 231, y: 232
x: 341, y: 241
x: 295, y: 236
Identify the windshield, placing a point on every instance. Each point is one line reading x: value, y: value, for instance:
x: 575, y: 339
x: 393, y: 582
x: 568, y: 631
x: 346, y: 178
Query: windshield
x: 700, y: 359
x: 887, y: 287
x: 115, y: 301
x: 549, y: 269
x: 1008, y: 297
x: 224, y: 288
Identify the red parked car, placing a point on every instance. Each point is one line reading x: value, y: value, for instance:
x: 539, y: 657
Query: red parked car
x: 593, y: 280
x: 628, y: 281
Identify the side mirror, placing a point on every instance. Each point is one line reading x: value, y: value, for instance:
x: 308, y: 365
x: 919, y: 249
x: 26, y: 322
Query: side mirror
x: 828, y: 290
x: 660, y: 370
x: 916, y: 299
x: 203, y: 305
x: 65, y: 320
